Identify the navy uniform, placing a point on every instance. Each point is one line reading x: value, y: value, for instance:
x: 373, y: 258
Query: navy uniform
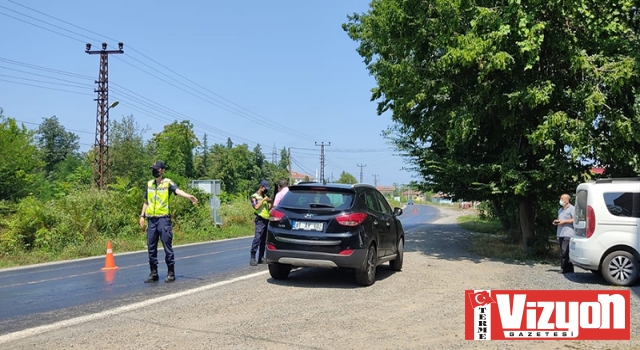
x: 156, y: 197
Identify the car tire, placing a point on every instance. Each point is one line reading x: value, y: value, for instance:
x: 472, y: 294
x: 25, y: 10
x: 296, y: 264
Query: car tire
x: 366, y: 274
x: 620, y: 268
x: 279, y: 271
x: 396, y: 264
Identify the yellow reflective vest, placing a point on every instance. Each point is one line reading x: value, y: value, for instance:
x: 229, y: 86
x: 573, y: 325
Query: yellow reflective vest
x: 262, y: 211
x: 158, y: 198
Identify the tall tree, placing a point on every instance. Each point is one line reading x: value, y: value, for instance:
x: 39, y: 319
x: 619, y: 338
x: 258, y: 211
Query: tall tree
x: 175, y: 146
x: 55, y: 143
x: 128, y: 155
x: 20, y: 160
x: 284, y: 159
x: 346, y: 178
x: 202, y: 160
x: 506, y: 99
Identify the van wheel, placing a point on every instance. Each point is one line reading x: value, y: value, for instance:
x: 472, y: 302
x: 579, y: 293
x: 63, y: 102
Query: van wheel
x: 620, y: 268
x: 366, y: 274
x: 279, y: 271
x: 396, y: 265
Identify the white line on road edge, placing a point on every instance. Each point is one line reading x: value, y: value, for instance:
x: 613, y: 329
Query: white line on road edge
x: 82, y: 319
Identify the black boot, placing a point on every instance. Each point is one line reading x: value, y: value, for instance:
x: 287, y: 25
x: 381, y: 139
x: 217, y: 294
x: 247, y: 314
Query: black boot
x: 153, y: 276
x: 171, y: 275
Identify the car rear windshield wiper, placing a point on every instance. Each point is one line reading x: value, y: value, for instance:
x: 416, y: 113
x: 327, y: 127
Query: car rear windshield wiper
x: 320, y: 205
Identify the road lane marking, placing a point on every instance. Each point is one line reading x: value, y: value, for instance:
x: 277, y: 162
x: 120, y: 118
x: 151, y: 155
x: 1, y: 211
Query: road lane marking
x: 88, y: 318
x: 118, y: 254
x: 99, y: 271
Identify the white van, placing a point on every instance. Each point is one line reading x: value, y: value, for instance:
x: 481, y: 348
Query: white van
x: 606, y: 225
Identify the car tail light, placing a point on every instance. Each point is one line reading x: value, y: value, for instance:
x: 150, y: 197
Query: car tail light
x: 353, y: 219
x: 346, y: 252
x: 271, y: 246
x: 275, y: 215
x: 591, y: 221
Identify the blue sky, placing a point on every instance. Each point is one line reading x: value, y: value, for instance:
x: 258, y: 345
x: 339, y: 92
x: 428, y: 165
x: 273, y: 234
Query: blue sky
x: 280, y: 73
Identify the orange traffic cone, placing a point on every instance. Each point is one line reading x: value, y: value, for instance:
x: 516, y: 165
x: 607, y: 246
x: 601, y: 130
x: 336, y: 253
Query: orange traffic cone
x: 415, y: 211
x: 109, y: 263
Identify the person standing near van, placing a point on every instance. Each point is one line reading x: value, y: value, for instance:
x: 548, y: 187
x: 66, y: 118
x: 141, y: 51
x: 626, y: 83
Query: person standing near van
x: 283, y: 188
x: 564, y: 232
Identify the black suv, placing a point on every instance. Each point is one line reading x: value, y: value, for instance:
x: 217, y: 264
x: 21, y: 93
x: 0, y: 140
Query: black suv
x: 334, y: 226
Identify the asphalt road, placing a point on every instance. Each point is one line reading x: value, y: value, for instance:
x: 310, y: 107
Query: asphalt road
x: 41, y: 294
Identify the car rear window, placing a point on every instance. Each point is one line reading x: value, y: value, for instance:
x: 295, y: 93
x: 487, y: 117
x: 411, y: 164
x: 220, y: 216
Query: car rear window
x: 623, y: 203
x: 304, y: 198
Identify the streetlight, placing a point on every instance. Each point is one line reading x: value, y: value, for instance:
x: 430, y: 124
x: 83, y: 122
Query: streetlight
x: 115, y: 103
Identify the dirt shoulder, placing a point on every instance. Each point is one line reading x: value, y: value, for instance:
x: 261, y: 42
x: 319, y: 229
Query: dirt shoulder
x: 421, y: 307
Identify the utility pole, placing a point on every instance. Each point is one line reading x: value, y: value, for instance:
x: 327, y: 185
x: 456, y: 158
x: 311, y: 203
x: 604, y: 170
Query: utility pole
x: 375, y: 180
x: 361, y: 166
x: 101, y: 145
x: 322, y: 160
x: 289, y: 165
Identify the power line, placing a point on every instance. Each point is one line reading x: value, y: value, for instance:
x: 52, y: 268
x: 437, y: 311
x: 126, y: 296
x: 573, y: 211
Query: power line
x: 46, y: 87
x: 45, y: 82
x: 274, y: 126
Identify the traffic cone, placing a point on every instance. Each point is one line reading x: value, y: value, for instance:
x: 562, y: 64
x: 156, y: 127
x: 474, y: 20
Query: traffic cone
x: 415, y: 211
x: 109, y: 263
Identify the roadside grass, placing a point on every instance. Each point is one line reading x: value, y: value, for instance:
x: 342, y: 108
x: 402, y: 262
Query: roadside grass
x: 489, y: 241
x: 194, y: 227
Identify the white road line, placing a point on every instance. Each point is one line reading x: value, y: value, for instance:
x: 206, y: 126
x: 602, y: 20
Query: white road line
x: 82, y: 319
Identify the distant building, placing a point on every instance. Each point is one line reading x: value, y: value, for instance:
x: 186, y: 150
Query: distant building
x: 441, y: 198
x: 297, y: 177
x: 386, y: 190
x: 415, y: 195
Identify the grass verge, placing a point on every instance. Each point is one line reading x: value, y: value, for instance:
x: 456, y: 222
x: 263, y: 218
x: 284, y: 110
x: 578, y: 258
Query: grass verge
x: 492, y: 243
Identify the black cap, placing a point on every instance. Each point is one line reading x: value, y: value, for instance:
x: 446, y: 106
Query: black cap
x: 158, y: 165
x: 264, y: 184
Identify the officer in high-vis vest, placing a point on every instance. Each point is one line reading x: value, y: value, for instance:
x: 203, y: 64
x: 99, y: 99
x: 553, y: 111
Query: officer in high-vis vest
x: 157, y: 212
x: 261, y: 204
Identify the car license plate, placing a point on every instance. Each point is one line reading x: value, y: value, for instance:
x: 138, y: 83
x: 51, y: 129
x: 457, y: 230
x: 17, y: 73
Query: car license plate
x: 307, y: 226
x: 572, y: 245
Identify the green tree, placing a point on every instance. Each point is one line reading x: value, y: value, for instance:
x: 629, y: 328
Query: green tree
x: 175, y: 146
x: 346, y: 178
x: 20, y: 160
x: 506, y: 100
x: 55, y: 143
x: 284, y: 159
x: 128, y: 155
x: 202, y: 159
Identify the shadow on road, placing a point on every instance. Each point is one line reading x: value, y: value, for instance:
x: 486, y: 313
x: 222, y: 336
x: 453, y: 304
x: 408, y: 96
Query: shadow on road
x: 328, y: 278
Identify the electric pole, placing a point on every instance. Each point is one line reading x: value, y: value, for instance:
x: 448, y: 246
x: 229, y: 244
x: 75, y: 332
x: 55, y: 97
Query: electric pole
x: 322, y: 159
x: 375, y: 180
x: 289, y: 165
x: 361, y: 166
x: 101, y: 145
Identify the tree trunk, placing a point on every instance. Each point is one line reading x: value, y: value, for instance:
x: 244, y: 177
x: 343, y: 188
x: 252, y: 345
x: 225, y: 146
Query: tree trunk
x: 527, y: 217
x: 497, y: 209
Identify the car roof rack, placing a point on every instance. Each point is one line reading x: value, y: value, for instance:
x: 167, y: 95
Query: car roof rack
x: 616, y: 179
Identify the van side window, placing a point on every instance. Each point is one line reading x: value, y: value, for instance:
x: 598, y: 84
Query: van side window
x: 581, y: 205
x: 623, y: 203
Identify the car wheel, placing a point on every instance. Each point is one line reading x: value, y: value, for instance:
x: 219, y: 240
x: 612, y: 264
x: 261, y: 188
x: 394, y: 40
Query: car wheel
x: 396, y: 265
x: 279, y: 271
x: 620, y: 268
x: 366, y: 274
